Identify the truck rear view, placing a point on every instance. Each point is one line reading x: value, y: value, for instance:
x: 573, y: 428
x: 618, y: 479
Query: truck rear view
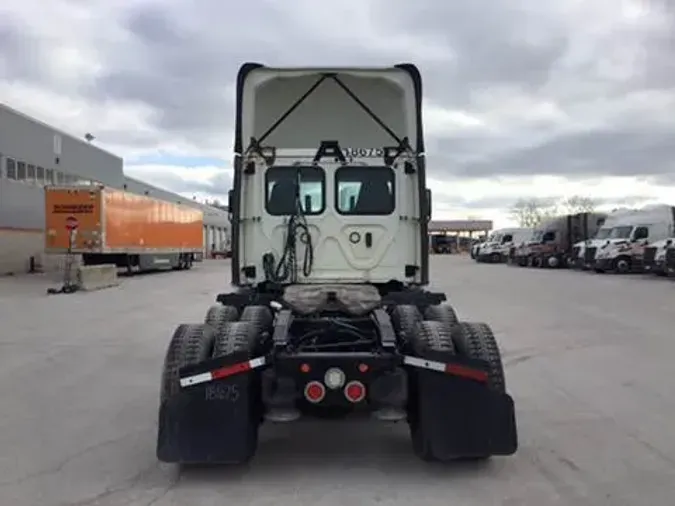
x: 330, y: 259
x: 109, y: 226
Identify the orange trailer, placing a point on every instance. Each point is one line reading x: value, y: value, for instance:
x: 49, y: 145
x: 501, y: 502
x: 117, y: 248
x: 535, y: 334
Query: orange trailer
x: 107, y: 225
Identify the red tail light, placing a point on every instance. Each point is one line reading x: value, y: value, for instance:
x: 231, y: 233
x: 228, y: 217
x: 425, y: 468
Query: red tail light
x: 315, y: 392
x: 355, y: 391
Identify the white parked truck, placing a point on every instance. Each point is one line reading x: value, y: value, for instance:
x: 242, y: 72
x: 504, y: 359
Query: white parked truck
x: 654, y: 257
x: 496, y: 248
x: 623, y: 251
x: 670, y: 258
x: 330, y: 315
x: 583, y: 252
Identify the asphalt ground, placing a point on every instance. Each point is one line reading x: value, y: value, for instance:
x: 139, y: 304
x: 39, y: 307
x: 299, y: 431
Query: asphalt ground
x: 589, y: 362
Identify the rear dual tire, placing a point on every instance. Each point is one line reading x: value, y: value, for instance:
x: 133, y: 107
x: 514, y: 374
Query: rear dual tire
x: 224, y: 332
x: 468, y: 339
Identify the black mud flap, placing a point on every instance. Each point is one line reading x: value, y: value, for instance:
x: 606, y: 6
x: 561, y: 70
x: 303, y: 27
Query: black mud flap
x: 461, y: 417
x: 215, y: 422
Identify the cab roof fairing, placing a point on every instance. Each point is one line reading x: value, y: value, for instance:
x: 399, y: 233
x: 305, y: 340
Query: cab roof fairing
x: 268, y: 98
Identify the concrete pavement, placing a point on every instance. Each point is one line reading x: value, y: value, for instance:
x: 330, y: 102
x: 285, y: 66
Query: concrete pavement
x: 588, y: 361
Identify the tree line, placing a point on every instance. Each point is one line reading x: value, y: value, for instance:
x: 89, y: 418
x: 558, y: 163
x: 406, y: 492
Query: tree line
x: 529, y: 213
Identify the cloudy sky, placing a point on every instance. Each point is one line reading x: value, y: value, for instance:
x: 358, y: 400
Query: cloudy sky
x: 523, y: 97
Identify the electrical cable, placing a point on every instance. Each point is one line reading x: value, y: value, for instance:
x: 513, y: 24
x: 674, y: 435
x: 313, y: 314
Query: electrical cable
x: 287, y: 268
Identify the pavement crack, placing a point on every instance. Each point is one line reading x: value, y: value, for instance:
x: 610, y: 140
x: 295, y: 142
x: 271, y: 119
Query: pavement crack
x: 174, y: 482
x: 63, y: 463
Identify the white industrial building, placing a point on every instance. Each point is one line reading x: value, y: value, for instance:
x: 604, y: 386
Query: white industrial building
x: 32, y: 155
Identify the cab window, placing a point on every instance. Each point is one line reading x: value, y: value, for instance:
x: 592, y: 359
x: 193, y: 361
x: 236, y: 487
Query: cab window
x: 365, y: 190
x: 548, y: 237
x: 281, y: 190
x: 641, y: 233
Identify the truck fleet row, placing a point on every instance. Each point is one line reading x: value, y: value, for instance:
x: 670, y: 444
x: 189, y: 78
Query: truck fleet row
x: 623, y: 241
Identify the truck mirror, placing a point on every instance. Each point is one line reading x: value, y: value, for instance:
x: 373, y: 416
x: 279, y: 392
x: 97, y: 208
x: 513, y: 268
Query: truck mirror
x: 308, y: 203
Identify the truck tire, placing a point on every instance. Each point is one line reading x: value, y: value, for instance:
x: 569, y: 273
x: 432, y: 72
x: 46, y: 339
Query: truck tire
x: 219, y: 315
x: 476, y: 340
x: 237, y: 336
x: 190, y: 344
x: 429, y: 335
x: 260, y: 316
x: 243, y: 337
x: 622, y: 264
x: 405, y: 319
x: 443, y: 313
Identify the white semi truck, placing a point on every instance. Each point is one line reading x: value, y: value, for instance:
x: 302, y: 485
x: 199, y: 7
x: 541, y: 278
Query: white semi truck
x: 496, y: 248
x: 624, y: 249
x: 583, y: 252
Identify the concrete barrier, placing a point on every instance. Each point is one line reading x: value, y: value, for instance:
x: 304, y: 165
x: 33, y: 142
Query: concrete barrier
x: 95, y: 277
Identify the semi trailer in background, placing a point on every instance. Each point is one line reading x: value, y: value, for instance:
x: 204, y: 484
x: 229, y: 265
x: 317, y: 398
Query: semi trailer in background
x: 552, y: 242
x: 109, y: 226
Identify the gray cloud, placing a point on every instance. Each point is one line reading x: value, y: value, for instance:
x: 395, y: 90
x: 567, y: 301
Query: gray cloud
x: 218, y: 185
x: 478, y: 56
x: 619, y: 151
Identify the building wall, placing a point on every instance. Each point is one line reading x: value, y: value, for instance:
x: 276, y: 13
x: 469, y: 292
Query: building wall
x: 31, y: 147
x: 32, y: 155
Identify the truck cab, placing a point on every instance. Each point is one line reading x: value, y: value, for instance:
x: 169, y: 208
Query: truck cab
x: 624, y: 249
x: 654, y: 258
x: 552, y: 242
x: 496, y: 249
x: 345, y: 181
x: 583, y: 252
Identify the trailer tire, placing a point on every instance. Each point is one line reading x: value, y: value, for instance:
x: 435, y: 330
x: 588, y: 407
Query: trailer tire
x: 190, y: 344
x: 476, y: 340
x: 220, y: 315
x: 443, y: 313
x: 429, y: 335
x: 405, y: 319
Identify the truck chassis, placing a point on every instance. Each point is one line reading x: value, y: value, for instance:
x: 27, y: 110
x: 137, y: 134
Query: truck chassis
x: 396, y: 355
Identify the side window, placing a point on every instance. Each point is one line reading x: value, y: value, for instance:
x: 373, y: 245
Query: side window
x: 30, y: 173
x: 641, y: 233
x: 507, y: 238
x: 281, y: 189
x: 365, y: 190
x: 11, y: 169
x: 21, y: 171
x: 548, y: 237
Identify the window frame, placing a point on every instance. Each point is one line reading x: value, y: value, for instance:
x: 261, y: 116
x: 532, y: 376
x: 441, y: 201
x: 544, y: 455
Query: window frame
x: 381, y: 168
x: 21, y: 165
x: 313, y: 168
x: 11, y: 161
